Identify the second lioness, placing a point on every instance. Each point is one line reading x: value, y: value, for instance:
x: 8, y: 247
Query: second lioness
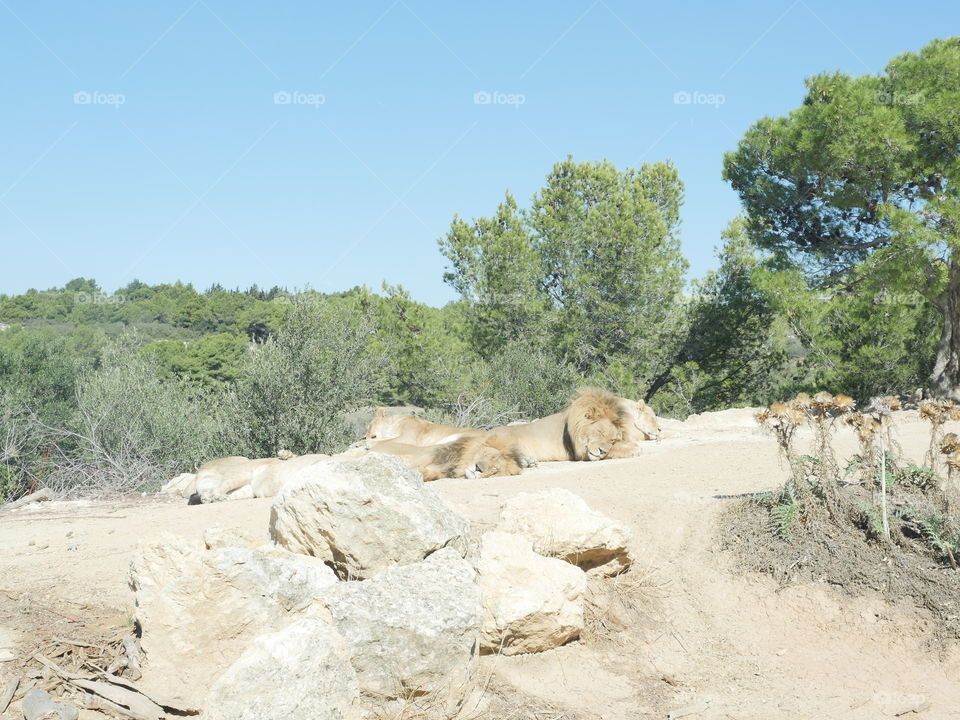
x: 415, y: 431
x: 470, y: 457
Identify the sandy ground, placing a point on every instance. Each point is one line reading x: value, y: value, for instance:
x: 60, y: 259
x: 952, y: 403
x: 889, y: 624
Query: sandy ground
x: 711, y: 639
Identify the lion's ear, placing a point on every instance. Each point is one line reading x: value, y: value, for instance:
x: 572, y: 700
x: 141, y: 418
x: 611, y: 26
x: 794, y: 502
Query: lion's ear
x: 380, y: 412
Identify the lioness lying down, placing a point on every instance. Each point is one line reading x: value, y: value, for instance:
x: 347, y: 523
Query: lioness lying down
x: 639, y: 424
x: 471, y: 457
x: 414, y: 431
x: 585, y: 430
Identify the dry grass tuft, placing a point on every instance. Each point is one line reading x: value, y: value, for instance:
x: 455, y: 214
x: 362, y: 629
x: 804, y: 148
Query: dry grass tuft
x: 621, y: 608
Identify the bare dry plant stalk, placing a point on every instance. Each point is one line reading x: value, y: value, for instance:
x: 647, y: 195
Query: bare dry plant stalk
x: 823, y: 411
x: 481, y: 412
x: 950, y: 448
x: 867, y: 427
x: 937, y: 412
x: 881, y: 414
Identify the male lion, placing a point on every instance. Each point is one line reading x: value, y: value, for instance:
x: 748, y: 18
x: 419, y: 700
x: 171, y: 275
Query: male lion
x: 585, y: 430
x: 639, y: 425
x: 470, y: 457
x: 414, y: 431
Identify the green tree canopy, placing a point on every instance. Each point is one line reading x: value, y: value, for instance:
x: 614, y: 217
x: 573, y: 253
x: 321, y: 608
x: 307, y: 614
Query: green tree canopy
x: 858, y: 187
x: 591, y: 269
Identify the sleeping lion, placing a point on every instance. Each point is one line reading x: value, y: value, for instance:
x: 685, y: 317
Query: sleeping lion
x: 471, y: 457
x: 585, y: 430
x: 639, y: 424
x: 414, y: 431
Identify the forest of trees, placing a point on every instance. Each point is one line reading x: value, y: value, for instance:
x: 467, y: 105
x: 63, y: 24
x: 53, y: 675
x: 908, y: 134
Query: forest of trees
x: 841, y: 275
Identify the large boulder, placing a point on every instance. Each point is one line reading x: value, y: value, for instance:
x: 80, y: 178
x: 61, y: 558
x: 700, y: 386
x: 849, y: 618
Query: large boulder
x: 560, y: 524
x: 302, y: 671
x: 412, y: 630
x: 530, y: 603
x: 197, y: 609
x: 364, y: 515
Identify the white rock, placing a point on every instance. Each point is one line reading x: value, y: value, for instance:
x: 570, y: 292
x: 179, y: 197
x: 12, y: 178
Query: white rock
x: 364, y: 515
x: 198, y: 609
x: 530, y: 603
x: 560, y: 524
x: 183, y: 485
x: 412, y: 629
x: 302, y: 671
x: 222, y: 537
x: 38, y: 705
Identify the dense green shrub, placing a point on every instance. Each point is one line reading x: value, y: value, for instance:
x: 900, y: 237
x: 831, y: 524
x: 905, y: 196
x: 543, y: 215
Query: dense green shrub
x: 295, y: 388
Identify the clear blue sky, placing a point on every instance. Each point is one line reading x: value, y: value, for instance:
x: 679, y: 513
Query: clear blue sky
x: 201, y: 176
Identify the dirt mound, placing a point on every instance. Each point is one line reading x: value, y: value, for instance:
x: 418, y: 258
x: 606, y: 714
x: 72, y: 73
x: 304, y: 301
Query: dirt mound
x: 906, y: 575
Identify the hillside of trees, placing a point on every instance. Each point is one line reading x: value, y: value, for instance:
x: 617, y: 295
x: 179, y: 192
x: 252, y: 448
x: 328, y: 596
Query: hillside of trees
x: 843, y: 274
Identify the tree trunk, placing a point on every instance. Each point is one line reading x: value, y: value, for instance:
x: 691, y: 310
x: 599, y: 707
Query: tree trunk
x: 945, y: 378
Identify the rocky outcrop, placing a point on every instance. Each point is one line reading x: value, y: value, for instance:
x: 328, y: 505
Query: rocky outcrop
x: 412, y: 630
x: 364, y: 515
x: 530, y: 603
x: 301, y: 671
x: 560, y: 524
x: 198, y: 609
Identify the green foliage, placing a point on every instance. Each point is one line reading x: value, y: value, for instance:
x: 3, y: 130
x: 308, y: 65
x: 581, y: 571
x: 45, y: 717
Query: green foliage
x: 210, y: 361
x: 862, y: 341
x: 733, y: 350
x: 783, y: 518
x: 21, y: 442
x: 593, y: 267
x: 858, y: 189
x: 39, y: 368
x: 295, y: 389
x: 941, y: 534
x: 253, y: 313
x: 521, y: 381
x: 426, y: 349
x: 133, y: 429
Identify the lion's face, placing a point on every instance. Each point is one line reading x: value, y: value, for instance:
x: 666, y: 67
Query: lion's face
x: 645, y: 420
x: 596, y: 439
x: 384, y: 428
x: 490, y: 462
